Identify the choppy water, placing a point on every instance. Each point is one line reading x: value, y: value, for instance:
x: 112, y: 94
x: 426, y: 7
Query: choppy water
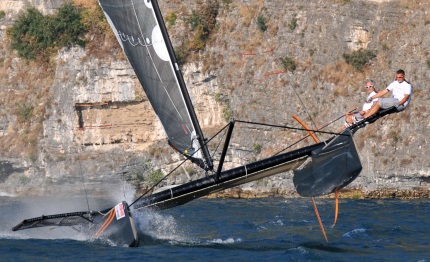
x: 272, y: 229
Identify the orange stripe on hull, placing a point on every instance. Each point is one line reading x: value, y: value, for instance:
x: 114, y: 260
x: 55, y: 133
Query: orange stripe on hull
x: 106, y: 223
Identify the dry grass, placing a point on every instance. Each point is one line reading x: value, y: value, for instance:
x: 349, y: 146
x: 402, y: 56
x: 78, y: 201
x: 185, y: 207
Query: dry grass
x: 336, y: 74
x: 412, y: 4
x: 208, y: 61
x: 229, y: 24
x: 236, y: 62
x: 259, y: 61
x: 254, y: 41
x: 101, y: 39
x: 247, y: 13
x: 273, y: 28
x: 24, y: 100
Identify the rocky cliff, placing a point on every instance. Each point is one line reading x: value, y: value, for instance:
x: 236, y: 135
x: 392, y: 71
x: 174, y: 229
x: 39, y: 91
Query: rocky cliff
x: 91, y: 126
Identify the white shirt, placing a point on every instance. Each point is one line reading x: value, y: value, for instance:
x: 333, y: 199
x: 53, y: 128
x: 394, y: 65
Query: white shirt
x: 367, y: 106
x: 400, y: 90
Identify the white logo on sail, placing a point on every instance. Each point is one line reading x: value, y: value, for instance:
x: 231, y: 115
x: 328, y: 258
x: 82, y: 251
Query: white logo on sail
x: 159, y: 45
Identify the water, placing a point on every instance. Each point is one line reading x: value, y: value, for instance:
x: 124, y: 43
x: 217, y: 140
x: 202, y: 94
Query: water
x: 272, y: 229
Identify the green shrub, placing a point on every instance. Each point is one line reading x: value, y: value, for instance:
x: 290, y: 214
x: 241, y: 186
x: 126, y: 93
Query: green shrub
x: 24, y: 180
x: 203, y: 23
x: 2, y: 14
x: 194, y: 20
x: 181, y: 53
x: 227, y: 112
x: 385, y: 47
x: 34, y: 34
x: 261, y: 23
x: 293, y: 23
x: 68, y: 26
x: 257, y: 148
x: 155, y: 176
x: 288, y: 63
x: 359, y: 58
x: 199, y: 39
x: 428, y: 63
x: 25, y: 113
x: 171, y: 18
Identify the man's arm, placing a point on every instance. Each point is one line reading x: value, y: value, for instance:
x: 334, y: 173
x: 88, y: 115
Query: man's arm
x: 380, y: 93
x: 405, y: 98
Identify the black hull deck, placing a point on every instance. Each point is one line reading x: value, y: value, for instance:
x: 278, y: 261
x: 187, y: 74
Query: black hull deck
x: 372, y: 118
x: 322, y: 177
x: 115, y: 225
x: 237, y: 176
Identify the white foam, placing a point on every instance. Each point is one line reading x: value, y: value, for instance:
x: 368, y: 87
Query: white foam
x: 4, y: 194
x: 355, y: 232
x: 160, y: 226
x: 229, y: 240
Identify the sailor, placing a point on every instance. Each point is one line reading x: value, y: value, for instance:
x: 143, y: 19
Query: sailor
x: 401, y: 95
x: 356, y: 116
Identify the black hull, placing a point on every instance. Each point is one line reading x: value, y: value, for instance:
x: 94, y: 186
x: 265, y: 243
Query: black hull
x: 372, y: 118
x: 115, y: 225
x: 332, y: 168
x: 182, y: 194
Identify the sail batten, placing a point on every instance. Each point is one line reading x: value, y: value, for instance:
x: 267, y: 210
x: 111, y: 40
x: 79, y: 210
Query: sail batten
x: 139, y: 28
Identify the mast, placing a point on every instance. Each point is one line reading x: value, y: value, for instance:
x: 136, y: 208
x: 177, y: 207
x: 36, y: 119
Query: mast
x: 193, y: 116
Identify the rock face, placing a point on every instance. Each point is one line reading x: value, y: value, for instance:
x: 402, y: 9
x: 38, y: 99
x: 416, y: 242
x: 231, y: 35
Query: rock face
x: 96, y: 127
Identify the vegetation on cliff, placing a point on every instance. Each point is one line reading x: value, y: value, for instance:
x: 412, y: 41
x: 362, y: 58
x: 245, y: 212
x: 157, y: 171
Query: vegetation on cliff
x: 35, y: 35
x: 359, y: 58
x: 37, y: 38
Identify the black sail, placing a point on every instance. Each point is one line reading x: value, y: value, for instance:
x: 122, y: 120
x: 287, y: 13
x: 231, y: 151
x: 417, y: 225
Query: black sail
x: 141, y: 32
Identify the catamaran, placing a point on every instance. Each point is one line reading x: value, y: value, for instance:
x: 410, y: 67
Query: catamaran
x: 319, y: 169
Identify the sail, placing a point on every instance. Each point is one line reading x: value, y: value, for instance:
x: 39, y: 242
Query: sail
x: 140, y: 30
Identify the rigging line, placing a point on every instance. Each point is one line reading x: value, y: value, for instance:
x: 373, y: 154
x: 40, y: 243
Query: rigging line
x: 83, y: 180
x: 110, y: 113
x: 245, y: 155
x: 81, y: 147
x: 303, y: 138
x: 216, y: 149
x: 159, y: 181
x: 306, y: 110
x: 292, y: 128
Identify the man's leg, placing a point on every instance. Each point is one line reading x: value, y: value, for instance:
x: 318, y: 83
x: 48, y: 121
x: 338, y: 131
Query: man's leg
x: 375, y: 108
